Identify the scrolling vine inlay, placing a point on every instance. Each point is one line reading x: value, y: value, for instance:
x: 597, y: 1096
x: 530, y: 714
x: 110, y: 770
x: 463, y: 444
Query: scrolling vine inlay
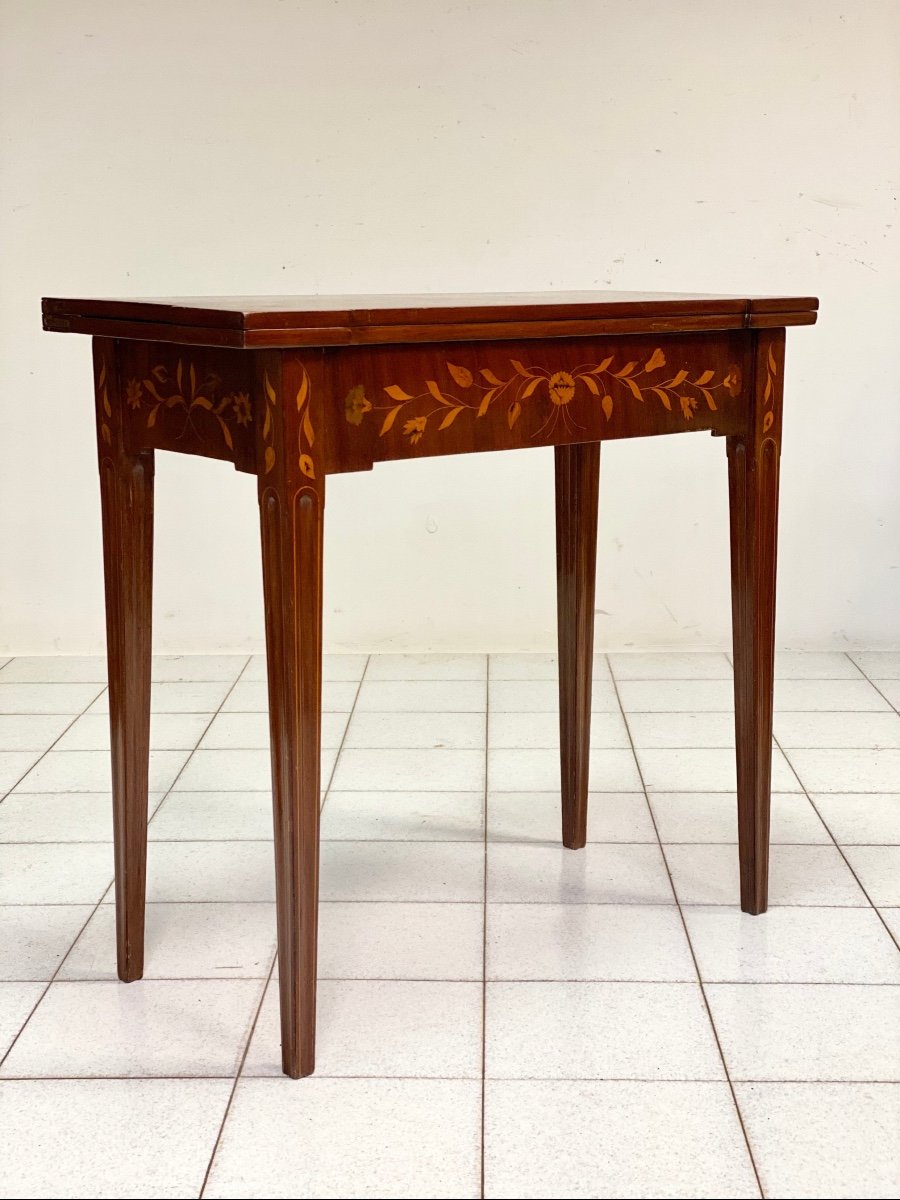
x: 188, y: 394
x: 554, y: 390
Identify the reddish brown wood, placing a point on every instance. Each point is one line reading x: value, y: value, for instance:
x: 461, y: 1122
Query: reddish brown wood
x: 577, y: 496
x: 451, y: 375
x: 347, y: 320
x: 393, y: 402
x: 753, y: 467
x: 292, y: 499
x: 126, y: 493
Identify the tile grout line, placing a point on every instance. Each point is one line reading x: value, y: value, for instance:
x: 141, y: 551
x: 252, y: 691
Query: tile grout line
x: 104, y: 893
x: 237, y: 1076
x: 840, y: 849
x: 484, y: 915
x: 874, y: 685
x: 327, y: 789
x: 43, y: 755
x: 700, y: 983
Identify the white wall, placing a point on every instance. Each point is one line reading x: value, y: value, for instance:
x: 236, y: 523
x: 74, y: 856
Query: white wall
x: 282, y: 146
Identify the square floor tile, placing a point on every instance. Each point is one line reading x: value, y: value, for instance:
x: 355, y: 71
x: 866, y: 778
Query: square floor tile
x: 712, y: 817
x: 350, y: 1137
x: 823, y: 1140
x: 23, y: 732
x: 542, y: 695
x: 435, y: 871
x: 677, y: 730
x: 792, y: 945
x: 806, y: 664
x: 182, y: 941
x: 670, y: 665
x: 601, y: 873
x: 409, y: 770
x: 677, y: 695
x: 67, y: 873
x: 16, y: 1002
x: 382, y: 1028
x: 226, y: 770
x: 213, y: 816
x: 704, y: 770
x: 847, y: 770
x: 795, y: 1032
x: 89, y: 771
x: 109, y: 1137
x: 878, y: 664
x: 613, y: 1138
x: 250, y: 696
x: 827, y: 695
x: 400, y: 941
x: 172, y: 697
x: 151, y: 1027
x: 416, y: 731
x: 587, y: 942
x: 540, y: 730
x: 189, y: 668
x: 878, y: 870
x: 60, y: 816
x: 56, y: 668
x: 539, y: 770
x: 250, y: 731
x: 14, y: 766
x: 844, y: 730
x: 186, y: 871
x: 34, y: 938
x: 538, y: 666
x: 168, y: 731
x: 536, y: 817
x: 41, y: 698
x: 427, y: 666
x: 814, y: 875
x: 422, y: 695
x: 599, y: 1031
x: 403, y: 816
x: 861, y: 818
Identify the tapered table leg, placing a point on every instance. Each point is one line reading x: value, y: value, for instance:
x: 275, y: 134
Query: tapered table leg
x: 753, y: 467
x: 577, y: 496
x: 126, y: 494
x: 292, y: 497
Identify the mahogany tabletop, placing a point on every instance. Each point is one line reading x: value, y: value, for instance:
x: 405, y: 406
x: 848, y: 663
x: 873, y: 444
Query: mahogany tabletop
x: 272, y: 321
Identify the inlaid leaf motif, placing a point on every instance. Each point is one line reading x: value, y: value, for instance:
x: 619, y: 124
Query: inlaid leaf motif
x: 450, y: 418
x: 307, y: 467
x: 562, y: 389
x: 768, y: 422
x: 269, y: 459
x: 460, y: 375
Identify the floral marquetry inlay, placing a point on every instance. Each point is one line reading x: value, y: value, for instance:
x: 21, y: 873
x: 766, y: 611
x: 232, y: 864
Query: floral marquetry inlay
x: 185, y: 392
x: 769, y: 391
x: 432, y: 407
x: 306, y: 436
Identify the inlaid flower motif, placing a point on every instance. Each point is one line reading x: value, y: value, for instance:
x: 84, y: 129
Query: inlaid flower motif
x: 415, y: 428
x: 243, y: 414
x: 656, y: 360
x: 356, y: 405
x: 688, y: 407
x: 732, y: 381
x: 562, y: 387
x: 133, y: 393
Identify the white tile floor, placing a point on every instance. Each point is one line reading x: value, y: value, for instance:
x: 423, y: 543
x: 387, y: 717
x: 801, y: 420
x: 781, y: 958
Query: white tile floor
x: 497, y: 1016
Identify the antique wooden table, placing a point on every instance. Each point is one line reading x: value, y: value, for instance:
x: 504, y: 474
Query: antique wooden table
x: 293, y: 389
